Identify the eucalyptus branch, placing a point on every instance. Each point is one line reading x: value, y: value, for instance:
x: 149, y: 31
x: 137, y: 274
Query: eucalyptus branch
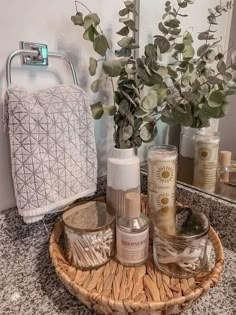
x: 113, y: 88
x: 81, y: 3
x: 218, y: 73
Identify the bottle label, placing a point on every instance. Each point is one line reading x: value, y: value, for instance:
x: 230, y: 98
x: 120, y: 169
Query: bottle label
x: 132, y: 248
x: 161, y: 183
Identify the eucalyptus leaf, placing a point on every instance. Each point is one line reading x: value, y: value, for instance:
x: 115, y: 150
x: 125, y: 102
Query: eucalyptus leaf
x: 143, y: 75
x: 92, y: 66
x: 112, y: 67
x: 205, y: 36
x: 188, y: 39
x: 78, y: 19
x: 210, y: 56
x: 125, y: 42
x: 139, y: 113
x: 212, y: 20
x: 201, y: 66
x: 129, y: 4
x: 179, y: 47
x: 151, y: 50
x: 227, y: 76
x: 98, y: 84
x: 97, y: 110
x: 148, y: 132
x: 188, y: 52
x: 131, y: 24
x: 162, y: 28
x: 90, y: 19
x: 124, y: 12
x: 123, y: 52
x: 150, y: 101
x: 174, y: 31
x: 126, y: 133
x: 185, y: 79
x: 182, y: 4
x: 216, y: 98
x: 124, y: 107
x: 162, y: 43
x: 173, y: 23
x: 172, y: 73
x: 124, y: 31
x: 109, y: 110
x: 90, y: 33
x: 221, y: 66
x: 202, y: 50
x: 129, y: 98
x: 100, y: 45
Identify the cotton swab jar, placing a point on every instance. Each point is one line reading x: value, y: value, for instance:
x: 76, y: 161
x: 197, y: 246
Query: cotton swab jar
x: 89, y: 235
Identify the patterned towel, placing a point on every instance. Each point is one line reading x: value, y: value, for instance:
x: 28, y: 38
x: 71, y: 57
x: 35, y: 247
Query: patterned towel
x: 53, y: 151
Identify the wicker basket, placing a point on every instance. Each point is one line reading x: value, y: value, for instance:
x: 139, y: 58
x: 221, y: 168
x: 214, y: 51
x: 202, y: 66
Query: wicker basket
x: 114, y: 289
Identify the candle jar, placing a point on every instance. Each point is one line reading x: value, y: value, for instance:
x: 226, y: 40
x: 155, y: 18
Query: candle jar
x: 184, y: 254
x: 206, y: 160
x: 89, y: 235
x: 162, y: 173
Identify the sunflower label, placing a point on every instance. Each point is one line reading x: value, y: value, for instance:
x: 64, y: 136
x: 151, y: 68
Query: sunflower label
x: 162, y: 169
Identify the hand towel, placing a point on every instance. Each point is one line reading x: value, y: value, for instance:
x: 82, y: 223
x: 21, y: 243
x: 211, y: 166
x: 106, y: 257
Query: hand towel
x: 53, y: 152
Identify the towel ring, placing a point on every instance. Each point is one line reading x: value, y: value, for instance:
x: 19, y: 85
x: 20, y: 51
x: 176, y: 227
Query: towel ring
x: 36, y: 57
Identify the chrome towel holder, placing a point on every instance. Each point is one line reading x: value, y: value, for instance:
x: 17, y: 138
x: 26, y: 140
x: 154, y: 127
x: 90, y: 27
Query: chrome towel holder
x: 37, y: 55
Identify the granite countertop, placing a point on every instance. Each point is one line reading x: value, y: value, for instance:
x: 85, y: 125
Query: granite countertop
x: 29, y: 285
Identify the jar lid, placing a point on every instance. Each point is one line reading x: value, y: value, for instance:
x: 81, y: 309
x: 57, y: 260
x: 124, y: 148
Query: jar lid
x: 88, y: 217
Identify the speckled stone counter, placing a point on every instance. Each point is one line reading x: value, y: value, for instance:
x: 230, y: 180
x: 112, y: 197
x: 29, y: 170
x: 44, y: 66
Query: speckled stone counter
x: 29, y: 285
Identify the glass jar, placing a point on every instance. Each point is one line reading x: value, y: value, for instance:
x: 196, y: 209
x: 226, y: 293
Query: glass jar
x: 186, y: 155
x: 89, y: 235
x: 162, y: 173
x: 185, y: 253
x: 206, y: 160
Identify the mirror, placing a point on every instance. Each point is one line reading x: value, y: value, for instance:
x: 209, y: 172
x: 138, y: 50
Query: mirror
x: 197, y: 20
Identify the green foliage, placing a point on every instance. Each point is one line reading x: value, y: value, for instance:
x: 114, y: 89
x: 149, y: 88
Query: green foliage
x: 189, y: 90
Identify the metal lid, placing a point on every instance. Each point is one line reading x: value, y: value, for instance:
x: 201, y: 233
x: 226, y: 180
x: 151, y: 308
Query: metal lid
x: 88, y: 217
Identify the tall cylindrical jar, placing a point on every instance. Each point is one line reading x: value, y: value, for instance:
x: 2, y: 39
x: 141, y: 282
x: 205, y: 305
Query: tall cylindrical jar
x: 123, y: 175
x: 206, y: 160
x: 186, y: 155
x: 162, y: 173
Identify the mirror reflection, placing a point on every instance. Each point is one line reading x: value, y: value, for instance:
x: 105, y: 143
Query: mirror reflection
x: 200, y: 109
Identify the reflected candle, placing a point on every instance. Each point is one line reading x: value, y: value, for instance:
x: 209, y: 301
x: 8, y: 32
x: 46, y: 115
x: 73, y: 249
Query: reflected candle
x: 162, y: 174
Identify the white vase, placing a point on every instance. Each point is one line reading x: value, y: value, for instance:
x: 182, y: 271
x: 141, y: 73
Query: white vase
x: 123, y: 175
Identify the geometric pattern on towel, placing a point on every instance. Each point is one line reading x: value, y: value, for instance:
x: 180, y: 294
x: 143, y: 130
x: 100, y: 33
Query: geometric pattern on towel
x: 53, y: 152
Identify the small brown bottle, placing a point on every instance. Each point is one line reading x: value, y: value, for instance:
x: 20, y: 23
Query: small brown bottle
x: 132, y: 233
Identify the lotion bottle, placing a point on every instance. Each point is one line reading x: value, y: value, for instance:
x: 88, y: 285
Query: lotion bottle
x: 132, y: 233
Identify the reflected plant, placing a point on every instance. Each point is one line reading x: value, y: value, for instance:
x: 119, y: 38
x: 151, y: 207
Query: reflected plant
x: 170, y: 81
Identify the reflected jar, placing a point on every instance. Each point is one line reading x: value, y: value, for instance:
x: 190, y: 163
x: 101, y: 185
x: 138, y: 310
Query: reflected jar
x: 206, y: 160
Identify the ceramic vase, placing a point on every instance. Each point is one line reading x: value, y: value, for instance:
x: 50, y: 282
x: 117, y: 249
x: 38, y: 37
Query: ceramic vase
x: 123, y: 175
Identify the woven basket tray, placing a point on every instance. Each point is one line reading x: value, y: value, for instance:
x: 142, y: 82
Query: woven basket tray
x: 114, y: 289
